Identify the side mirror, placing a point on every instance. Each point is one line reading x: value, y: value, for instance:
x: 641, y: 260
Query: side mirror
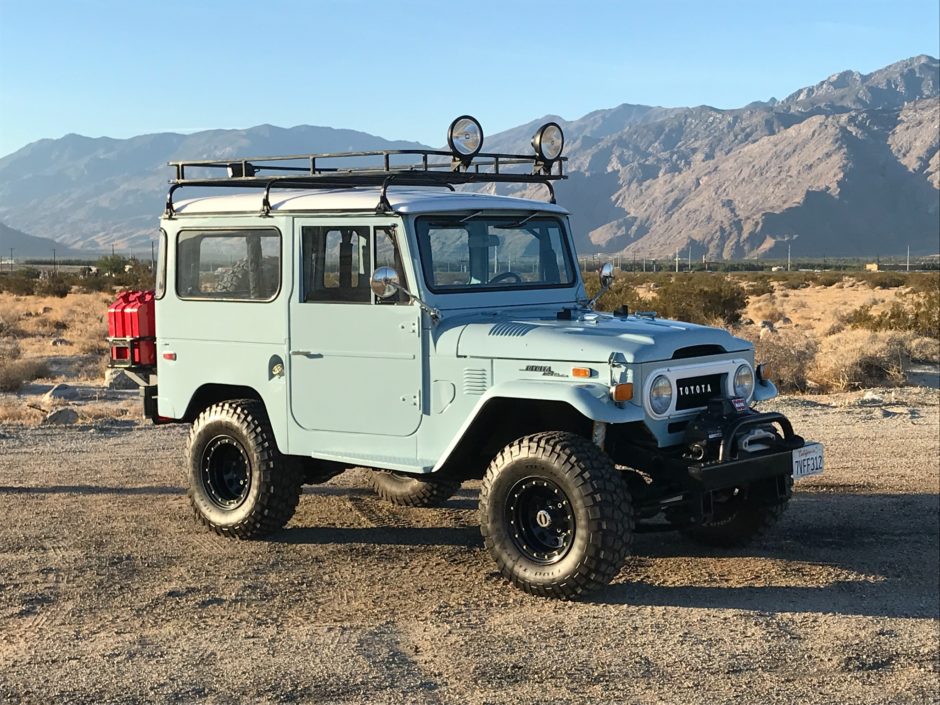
x: 607, y: 274
x: 385, y: 282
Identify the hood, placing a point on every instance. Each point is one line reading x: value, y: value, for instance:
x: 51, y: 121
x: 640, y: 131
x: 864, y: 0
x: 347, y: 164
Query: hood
x: 589, y: 337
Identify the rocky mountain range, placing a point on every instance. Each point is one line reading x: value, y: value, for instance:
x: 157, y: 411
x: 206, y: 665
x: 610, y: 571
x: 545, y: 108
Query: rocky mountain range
x: 849, y: 166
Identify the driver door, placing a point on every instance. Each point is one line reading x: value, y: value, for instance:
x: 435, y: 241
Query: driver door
x: 355, y: 361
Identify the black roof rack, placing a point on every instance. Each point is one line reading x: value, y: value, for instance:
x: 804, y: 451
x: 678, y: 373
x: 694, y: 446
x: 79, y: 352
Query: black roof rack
x: 259, y: 172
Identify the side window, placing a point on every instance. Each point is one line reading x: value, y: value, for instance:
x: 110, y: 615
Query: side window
x: 337, y: 263
x: 243, y: 265
x: 160, y: 283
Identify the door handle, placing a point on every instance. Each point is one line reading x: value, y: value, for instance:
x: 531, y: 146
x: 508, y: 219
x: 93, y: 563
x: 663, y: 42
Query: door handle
x: 303, y: 353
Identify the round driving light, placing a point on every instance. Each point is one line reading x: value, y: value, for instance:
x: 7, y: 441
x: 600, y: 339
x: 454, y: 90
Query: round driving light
x: 465, y: 136
x: 548, y: 142
x: 743, y: 381
x: 661, y: 395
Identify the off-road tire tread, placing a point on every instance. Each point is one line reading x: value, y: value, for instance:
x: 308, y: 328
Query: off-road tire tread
x: 742, y: 528
x: 418, y: 493
x: 601, y: 486
x: 281, y: 478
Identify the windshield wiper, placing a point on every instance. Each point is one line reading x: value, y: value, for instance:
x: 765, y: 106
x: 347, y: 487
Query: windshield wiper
x: 522, y: 222
x: 471, y: 216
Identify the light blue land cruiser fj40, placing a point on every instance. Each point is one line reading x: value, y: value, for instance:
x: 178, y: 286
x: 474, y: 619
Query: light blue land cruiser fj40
x: 355, y: 310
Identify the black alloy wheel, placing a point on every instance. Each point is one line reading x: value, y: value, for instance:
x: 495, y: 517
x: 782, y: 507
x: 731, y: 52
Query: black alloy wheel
x: 226, y: 472
x: 543, y: 519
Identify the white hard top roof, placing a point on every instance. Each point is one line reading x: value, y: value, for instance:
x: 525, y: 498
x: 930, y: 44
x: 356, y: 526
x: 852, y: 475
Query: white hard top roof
x: 403, y: 200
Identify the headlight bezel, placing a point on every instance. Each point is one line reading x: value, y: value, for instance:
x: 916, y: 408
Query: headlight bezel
x: 748, y: 386
x: 656, y: 400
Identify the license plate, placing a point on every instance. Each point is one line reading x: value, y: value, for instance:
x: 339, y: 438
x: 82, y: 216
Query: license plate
x: 808, y: 460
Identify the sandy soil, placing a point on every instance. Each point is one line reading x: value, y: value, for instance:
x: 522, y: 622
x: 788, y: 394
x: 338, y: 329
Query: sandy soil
x: 110, y: 593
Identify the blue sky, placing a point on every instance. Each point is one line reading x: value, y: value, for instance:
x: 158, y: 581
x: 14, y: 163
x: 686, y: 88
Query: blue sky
x: 403, y: 69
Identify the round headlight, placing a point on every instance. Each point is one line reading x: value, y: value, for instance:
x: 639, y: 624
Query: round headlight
x: 548, y: 142
x: 661, y: 395
x: 465, y: 136
x: 743, y: 382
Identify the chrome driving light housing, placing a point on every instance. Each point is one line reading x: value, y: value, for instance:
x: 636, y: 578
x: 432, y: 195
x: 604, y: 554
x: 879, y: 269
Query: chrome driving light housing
x: 661, y: 395
x: 548, y: 142
x: 465, y: 138
x: 744, y: 381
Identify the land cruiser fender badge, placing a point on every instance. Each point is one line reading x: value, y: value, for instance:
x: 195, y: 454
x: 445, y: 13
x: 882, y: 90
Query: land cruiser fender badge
x: 739, y: 404
x: 546, y: 370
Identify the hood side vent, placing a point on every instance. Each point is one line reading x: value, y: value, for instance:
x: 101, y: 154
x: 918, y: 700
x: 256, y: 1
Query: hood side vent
x: 475, y: 382
x: 511, y: 330
x: 697, y: 351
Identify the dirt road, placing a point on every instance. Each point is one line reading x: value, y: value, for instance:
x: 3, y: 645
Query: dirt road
x: 110, y: 593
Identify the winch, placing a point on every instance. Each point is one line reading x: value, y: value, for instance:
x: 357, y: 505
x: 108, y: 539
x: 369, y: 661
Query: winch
x: 727, y: 429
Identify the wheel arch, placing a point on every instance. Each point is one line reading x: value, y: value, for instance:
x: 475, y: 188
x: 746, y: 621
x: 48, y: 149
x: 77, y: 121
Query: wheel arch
x: 501, y: 420
x: 514, y: 409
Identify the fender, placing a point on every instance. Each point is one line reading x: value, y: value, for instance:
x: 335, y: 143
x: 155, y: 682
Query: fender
x: 591, y: 400
x: 764, y: 390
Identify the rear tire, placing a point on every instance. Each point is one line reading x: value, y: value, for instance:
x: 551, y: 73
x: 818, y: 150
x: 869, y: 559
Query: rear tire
x: 556, y: 515
x: 412, y: 491
x: 240, y: 485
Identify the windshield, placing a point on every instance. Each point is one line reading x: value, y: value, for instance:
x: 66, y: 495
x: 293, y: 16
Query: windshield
x: 472, y: 253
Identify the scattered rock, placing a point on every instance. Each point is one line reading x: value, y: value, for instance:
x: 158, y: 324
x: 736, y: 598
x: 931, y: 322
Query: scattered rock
x: 56, y: 342
x: 766, y: 324
x: 44, y: 310
x: 747, y: 322
x: 767, y: 332
x: 61, y: 417
x: 117, y: 379
x: 869, y: 398
x: 61, y: 391
x: 785, y: 321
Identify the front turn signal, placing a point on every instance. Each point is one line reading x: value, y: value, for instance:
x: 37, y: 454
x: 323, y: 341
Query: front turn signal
x: 622, y: 392
x: 763, y: 372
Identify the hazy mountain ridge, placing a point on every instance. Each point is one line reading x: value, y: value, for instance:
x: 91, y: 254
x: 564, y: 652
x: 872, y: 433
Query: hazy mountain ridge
x: 25, y: 246
x: 850, y: 165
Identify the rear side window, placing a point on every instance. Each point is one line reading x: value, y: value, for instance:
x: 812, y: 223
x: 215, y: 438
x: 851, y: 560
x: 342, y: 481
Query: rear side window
x: 240, y: 265
x: 160, y: 284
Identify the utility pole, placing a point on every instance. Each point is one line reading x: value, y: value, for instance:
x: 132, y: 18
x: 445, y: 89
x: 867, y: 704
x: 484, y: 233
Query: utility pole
x: 677, y: 260
x: 788, y: 256
x: 11, y: 260
x: 908, y: 258
x: 690, y: 257
x: 53, y: 262
x: 705, y: 262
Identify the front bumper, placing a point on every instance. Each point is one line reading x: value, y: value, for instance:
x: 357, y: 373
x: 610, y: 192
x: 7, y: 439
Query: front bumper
x: 737, y: 473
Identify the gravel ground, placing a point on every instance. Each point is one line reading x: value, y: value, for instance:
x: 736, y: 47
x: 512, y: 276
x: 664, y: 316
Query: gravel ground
x: 110, y: 593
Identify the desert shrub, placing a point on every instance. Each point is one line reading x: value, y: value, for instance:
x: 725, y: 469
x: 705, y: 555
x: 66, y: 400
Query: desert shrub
x: 857, y: 359
x: 621, y: 293
x: 15, y: 373
x: 916, y: 310
x: 828, y: 279
x: 884, y: 280
x: 788, y: 355
x: 17, y: 285
x: 94, y: 284
x: 924, y: 349
x: 9, y: 349
x: 53, y: 286
x: 759, y: 286
x: 701, y: 298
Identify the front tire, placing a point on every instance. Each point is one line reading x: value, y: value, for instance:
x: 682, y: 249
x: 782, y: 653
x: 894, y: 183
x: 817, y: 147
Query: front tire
x: 556, y: 515
x: 240, y: 485
x: 739, y: 520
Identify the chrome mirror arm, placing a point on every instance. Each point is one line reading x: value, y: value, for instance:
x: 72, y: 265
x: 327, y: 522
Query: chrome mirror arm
x: 607, y: 279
